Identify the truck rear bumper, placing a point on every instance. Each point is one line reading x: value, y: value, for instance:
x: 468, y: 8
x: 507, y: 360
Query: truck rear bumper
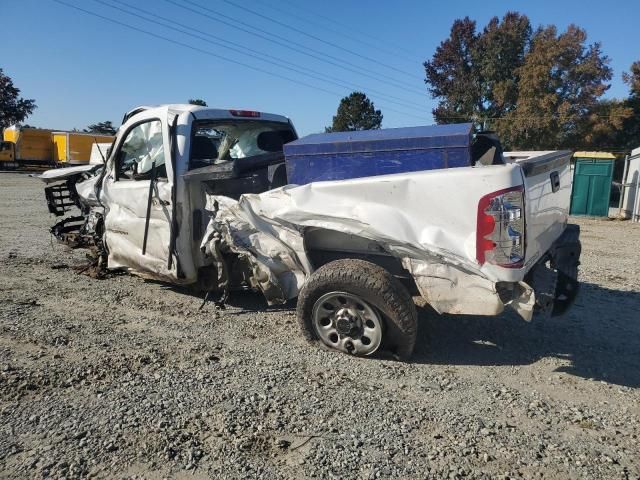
x: 548, y: 289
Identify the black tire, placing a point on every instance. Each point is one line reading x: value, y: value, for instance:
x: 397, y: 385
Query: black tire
x: 374, y: 285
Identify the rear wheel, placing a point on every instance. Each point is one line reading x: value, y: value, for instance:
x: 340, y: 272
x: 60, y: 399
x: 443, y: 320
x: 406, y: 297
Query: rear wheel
x: 359, y: 308
x: 347, y: 323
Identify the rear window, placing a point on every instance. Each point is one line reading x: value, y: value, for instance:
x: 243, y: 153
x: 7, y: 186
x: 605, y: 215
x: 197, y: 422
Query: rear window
x: 214, y: 142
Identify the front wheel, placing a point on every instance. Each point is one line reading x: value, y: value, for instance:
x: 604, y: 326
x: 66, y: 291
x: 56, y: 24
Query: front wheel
x: 359, y: 308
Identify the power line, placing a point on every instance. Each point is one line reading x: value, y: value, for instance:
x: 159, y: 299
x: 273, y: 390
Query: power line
x: 472, y: 118
x: 261, y: 56
x: 380, y: 46
x: 319, y: 39
x: 212, y: 54
x: 286, y: 43
x: 206, y: 52
x: 398, y: 48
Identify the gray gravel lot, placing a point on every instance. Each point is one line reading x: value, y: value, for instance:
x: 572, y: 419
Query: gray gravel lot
x: 129, y: 379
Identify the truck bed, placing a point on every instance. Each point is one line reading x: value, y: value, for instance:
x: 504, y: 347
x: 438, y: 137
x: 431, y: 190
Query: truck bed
x: 426, y: 221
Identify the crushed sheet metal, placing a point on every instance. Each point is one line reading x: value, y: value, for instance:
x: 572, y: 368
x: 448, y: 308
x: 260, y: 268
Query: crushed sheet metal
x: 124, y: 225
x: 270, y: 249
x: 525, y: 302
x: 450, y: 290
x: 58, y: 174
x: 87, y: 191
x: 268, y: 230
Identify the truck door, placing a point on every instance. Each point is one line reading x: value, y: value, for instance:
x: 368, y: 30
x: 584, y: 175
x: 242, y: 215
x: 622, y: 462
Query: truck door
x: 137, y: 195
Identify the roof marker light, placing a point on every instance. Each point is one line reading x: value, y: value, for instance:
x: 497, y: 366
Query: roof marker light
x: 244, y: 113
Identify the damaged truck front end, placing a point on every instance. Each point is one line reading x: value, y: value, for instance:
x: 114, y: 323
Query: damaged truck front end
x: 74, y: 190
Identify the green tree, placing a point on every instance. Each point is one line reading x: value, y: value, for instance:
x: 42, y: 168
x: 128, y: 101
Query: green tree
x: 197, y: 101
x: 613, y: 124
x: 355, y: 112
x: 561, y: 81
x: 629, y: 134
x: 13, y: 108
x: 538, y: 89
x: 499, y: 55
x: 632, y: 78
x: 474, y: 75
x: 102, y: 128
x: 452, y: 77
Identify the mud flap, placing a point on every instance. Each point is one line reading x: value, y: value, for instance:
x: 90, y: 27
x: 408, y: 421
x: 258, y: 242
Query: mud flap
x: 543, y: 281
x: 565, y: 259
x: 555, y: 277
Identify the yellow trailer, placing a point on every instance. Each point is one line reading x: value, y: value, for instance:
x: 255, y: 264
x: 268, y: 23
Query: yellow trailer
x: 27, y: 147
x: 74, y: 148
x: 30, y: 146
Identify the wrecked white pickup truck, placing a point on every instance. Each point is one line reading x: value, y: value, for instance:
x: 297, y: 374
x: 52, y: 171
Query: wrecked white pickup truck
x: 353, y: 224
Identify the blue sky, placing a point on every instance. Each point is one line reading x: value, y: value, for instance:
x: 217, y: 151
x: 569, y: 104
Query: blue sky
x: 82, y: 69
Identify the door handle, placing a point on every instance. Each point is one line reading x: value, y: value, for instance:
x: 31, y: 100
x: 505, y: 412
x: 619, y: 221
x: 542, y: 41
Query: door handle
x: 555, y: 181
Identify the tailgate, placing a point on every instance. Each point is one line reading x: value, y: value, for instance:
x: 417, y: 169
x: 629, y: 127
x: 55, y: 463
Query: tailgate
x: 547, y: 181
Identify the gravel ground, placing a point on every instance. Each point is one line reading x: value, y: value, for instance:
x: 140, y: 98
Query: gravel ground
x: 129, y: 379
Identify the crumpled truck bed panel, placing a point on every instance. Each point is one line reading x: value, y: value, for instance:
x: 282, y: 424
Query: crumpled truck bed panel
x: 415, y: 217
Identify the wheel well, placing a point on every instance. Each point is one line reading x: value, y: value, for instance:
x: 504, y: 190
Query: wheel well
x: 324, y: 246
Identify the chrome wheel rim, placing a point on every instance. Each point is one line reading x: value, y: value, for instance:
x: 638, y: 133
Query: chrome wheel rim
x: 346, y: 322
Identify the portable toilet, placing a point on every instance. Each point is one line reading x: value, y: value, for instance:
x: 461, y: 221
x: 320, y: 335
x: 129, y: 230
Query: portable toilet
x: 631, y: 188
x: 592, y: 183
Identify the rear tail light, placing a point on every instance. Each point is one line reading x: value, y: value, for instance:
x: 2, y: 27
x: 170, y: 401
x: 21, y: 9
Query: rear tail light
x: 500, y: 233
x: 244, y: 113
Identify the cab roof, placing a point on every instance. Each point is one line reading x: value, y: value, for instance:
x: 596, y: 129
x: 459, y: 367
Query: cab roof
x: 207, y: 113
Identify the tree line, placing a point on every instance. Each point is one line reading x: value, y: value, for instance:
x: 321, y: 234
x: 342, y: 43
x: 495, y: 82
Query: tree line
x: 538, y: 88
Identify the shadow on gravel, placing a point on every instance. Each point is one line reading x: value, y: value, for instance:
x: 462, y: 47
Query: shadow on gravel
x: 242, y: 300
x: 248, y: 301
x: 599, y: 336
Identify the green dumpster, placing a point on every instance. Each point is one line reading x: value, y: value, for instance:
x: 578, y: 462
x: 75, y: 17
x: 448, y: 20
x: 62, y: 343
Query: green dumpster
x: 592, y: 183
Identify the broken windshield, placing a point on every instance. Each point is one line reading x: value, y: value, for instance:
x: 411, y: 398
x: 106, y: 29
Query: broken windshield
x: 215, y: 142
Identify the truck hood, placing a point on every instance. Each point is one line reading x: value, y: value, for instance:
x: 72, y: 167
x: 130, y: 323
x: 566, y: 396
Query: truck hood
x: 58, y: 174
